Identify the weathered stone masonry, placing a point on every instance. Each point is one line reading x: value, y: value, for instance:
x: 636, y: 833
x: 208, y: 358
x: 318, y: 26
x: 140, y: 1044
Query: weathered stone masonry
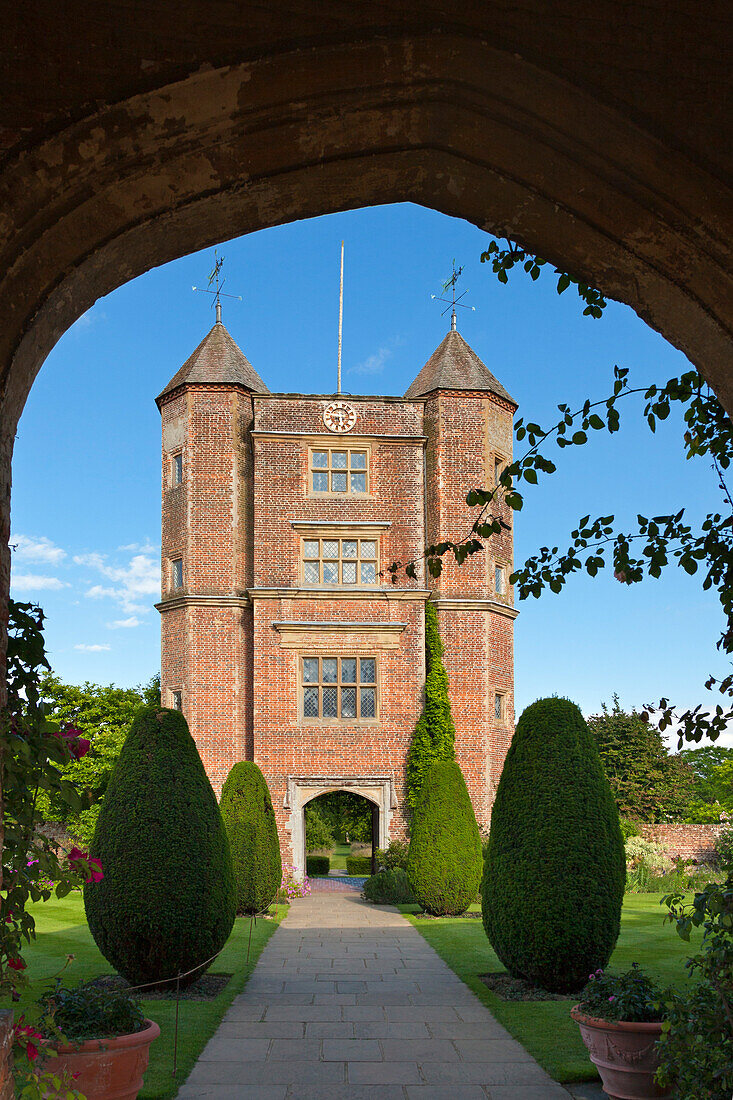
x: 243, y: 507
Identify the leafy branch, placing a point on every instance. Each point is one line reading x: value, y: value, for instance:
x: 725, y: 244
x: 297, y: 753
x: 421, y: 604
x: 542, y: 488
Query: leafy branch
x: 646, y: 551
x: 504, y: 259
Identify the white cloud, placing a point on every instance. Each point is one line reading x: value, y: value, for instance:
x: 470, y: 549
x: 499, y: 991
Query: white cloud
x: 28, y: 548
x: 131, y: 582
x: 91, y: 648
x: 34, y: 582
x: 123, y: 624
x: 373, y: 364
x: 91, y: 317
x: 146, y: 547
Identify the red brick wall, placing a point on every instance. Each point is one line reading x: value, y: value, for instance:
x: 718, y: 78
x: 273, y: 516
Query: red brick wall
x: 465, y: 431
x: 246, y: 481
x: 689, y: 841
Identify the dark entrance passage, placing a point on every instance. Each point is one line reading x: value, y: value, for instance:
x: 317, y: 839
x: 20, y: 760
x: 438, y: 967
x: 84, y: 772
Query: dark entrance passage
x: 341, y: 834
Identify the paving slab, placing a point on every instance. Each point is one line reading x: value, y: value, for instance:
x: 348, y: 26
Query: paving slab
x: 348, y: 1001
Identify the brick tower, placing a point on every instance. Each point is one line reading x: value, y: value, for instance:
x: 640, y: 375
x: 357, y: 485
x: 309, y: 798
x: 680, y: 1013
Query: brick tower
x: 283, y: 640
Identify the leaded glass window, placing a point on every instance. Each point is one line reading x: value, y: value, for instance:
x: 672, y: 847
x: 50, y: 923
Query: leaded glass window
x: 342, y: 688
x: 338, y: 470
x: 340, y: 561
x: 498, y: 706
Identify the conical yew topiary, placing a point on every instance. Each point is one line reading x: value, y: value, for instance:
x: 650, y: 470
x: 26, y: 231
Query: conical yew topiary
x: 444, y: 860
x: 555, y: 872
x: 166, y: 903
x: 246, y: 808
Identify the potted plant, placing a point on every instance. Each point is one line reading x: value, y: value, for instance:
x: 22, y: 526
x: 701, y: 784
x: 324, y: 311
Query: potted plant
x: 620, y: 1020
x: 96, y: 1037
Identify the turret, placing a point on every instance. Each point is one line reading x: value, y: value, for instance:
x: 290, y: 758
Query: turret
x: 206, y: 549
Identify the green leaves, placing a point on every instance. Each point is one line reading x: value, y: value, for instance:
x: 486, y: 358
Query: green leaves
x: 502, y: 261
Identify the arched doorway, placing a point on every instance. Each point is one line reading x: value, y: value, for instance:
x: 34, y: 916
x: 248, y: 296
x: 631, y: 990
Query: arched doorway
x: 340, y: 825
x: 166, y: 138
x: 377, y: 790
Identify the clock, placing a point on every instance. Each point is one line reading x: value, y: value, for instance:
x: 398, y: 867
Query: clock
x: 339, y: 417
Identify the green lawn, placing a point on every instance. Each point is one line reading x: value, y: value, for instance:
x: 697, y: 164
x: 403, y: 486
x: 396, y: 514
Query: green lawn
x: 62, y: 930
x: 545, y: 1028
x: 338, y: 857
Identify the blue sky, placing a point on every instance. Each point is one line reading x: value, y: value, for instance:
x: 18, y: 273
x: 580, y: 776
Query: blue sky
x: 86, y: 492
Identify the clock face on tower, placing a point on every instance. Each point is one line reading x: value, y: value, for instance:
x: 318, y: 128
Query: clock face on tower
x: 339, y: 417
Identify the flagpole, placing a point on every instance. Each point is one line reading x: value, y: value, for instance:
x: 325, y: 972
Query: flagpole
x: 341, y: 317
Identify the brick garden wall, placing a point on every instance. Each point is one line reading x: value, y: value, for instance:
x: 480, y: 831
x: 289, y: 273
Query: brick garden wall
x: 689, y: 841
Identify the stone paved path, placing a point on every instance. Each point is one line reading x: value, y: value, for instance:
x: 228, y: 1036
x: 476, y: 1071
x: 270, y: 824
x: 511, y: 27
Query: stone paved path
x: 349, y: 1001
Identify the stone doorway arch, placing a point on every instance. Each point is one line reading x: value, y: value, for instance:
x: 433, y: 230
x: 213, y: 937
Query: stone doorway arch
x: 300, y: 790
x: 155, y: 139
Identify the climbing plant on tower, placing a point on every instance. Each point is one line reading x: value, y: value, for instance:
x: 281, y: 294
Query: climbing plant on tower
x: 435, y: 735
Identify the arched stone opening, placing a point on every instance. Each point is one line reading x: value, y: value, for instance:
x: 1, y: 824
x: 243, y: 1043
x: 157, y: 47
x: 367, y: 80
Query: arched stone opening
x: 454, y: 119
x: 378, y: 790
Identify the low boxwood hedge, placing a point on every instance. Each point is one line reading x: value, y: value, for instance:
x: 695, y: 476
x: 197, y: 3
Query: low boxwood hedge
x: 389, y: 888
x: 317, y: 865
x: 358, y: 865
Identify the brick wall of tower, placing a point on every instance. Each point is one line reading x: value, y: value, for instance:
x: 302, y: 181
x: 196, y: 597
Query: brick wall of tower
x: 246, y: 483
x: 285, y: 743
x: 465, y: 432
x: 207, y: 521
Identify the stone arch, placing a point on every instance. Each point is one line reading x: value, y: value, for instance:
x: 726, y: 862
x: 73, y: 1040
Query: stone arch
x: 379, y: 790
x: 430, y: 111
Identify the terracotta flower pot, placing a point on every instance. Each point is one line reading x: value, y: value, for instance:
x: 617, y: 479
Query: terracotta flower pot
x: 625, y: 1055
x: 109, y: 1069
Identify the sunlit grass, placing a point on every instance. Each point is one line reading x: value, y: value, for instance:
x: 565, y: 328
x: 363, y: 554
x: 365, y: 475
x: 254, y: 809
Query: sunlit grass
x: 544, y: 1028
x: 62, y: 930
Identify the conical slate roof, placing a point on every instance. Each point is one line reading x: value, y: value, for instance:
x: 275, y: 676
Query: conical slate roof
x: 456, y: 366
x: 217, y: 359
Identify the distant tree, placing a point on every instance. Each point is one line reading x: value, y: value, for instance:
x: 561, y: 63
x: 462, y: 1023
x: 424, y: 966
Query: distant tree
x: 347, y: 815
x: 647, y: 782
x: 318, y: 834
x: 711, y: 767
x: 104, y: 714
x: 435, y: 734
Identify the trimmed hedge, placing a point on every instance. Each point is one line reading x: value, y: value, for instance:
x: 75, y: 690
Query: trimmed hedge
x: 390, y: 887
x: 554, y: 875
x: 358, y: 865
x: 317, y: 865
x: 435, y: 734
x: 249, y: 819
x: 167, y: 901
x: 444, y: 862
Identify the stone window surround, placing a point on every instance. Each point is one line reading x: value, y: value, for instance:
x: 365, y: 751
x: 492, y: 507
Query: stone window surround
x: 176, y: 566
x: 500, y: 697
x: 505, y: 567
x: 338, y: 639
x: 175, y: 480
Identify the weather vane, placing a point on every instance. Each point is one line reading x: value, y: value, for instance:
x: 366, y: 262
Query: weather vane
x: 452, y: 302
x: 216, y: 279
